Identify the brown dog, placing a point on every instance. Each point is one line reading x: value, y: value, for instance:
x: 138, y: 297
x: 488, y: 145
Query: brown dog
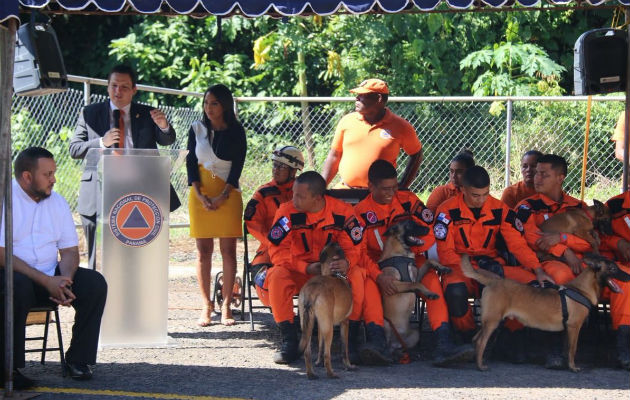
x: 398, y: 260
x: 328, y: 299
x: 542, y: 308
x: 582, y: 223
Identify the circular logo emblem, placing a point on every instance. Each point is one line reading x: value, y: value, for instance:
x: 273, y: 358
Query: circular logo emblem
x: 135, y: 220
x: 371, y: 217
x: 427, y: 215
x: 356, y: 233
x: 276, y: 232
x: 518, y: 224
x: 439, y: 230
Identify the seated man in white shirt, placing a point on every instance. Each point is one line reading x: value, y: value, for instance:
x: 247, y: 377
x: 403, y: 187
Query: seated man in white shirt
x: 42, y: 229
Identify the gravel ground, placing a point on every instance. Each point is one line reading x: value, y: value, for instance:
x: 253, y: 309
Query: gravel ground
x: 235, y: 362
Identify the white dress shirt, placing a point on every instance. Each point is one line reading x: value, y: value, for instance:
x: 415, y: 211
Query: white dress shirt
x: 40, y: 229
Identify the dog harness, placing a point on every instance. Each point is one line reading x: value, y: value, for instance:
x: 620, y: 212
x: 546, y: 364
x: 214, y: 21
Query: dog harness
x: 401, y: 263
x: 575, y: 295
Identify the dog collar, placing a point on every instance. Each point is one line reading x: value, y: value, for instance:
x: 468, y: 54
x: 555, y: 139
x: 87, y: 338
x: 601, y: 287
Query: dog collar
x: 401, y: 263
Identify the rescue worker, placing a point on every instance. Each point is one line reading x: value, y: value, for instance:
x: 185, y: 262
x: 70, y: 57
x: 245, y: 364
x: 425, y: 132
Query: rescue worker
x: 470, y: 223
x: 521, y: 190
x: 261, y: 209
x: 551, y: 199
x: 619, y: 245
x: 458, y: 165
x: 301, y: 229
x: 385, y: 206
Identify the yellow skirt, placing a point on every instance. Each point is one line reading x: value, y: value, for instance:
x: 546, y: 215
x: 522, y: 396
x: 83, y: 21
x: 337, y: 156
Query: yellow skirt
x: 222, y: 223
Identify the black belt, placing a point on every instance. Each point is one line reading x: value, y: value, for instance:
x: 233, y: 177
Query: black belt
x: 401, y: 263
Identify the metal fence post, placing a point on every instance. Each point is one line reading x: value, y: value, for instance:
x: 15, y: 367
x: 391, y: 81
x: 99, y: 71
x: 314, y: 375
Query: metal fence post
x: 87, y: 89
x: 508, y: 142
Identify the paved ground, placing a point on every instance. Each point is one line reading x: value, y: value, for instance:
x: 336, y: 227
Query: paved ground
x: 235, y: 362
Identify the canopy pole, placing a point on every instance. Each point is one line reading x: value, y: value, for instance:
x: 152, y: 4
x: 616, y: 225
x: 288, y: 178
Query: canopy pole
x: 626, y: 135
x: 585, y: 155
x: 7, y: 50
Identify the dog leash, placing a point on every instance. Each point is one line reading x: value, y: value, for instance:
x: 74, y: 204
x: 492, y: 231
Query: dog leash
x: 405, y: 357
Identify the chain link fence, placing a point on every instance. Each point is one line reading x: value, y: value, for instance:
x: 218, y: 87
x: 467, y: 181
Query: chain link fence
x: 445, y: 127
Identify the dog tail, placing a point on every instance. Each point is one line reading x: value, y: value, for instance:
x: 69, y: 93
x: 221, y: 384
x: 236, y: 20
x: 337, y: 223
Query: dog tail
x: 307, y: 320
x: 471, y: 273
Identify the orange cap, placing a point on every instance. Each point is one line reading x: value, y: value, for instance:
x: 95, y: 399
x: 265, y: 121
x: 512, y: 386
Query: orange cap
x: 371, y: 86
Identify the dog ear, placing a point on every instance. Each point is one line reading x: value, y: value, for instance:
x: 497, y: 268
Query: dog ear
x: 323, y: 255
x: 599, y: 206
x: 593, y: 261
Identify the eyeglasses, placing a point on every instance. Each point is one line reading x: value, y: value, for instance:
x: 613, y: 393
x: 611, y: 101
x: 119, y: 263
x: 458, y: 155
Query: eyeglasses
x: 279, y: 165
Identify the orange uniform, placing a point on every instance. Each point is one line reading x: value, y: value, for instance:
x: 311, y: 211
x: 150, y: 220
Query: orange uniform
x: 619, y: 302
x: 361, y: 143
x: 258, y: 218
x: 459, y: 231
x: 513, y: 194
x: 377, y: 218
x: 440, y: 194
x: 259, y: 215
x: 297, y: 238
x: 536, y: 209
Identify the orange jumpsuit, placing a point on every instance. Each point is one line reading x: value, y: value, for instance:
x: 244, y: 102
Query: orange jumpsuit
x: 377, y: 218
x: 258, y: 217
x: 458, y: 231
x: 536, y: 209
x: 513, y: 194
x: 440, y: 194
x: 297, y: 238
x: 619, y: 302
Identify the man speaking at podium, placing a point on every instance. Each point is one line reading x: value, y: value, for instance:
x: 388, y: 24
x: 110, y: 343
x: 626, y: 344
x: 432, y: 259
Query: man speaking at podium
x: 117, y: 123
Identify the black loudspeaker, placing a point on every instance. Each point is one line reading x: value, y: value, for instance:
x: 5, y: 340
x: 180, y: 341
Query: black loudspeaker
x: 38, y: 66
x: 600, y: 61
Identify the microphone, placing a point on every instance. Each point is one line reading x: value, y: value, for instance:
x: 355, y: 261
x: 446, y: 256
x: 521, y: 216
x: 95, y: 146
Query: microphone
x: 116, y: 123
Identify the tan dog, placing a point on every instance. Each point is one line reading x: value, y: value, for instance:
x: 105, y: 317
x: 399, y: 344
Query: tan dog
x: 582, y: 223
x: 542, y: 308
x: 399, y: 261
x: 328, y: 299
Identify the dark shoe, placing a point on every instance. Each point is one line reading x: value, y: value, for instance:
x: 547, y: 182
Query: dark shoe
x: 446, y: 351
x: 289, y: 348
x: 20, y: 382
x: 513, y: 347
x: 623, y: 346
x: 375, y: 351
x: 354, y: 340
x: 79, y: 372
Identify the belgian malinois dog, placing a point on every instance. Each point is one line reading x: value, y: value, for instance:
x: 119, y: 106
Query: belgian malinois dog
x: 328, y: 299
x: 398, y: 260
x: 582, y: 223
x: 542, y: 308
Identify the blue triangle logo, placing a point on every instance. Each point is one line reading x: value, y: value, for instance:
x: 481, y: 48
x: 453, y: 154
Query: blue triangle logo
x: 135, y: 220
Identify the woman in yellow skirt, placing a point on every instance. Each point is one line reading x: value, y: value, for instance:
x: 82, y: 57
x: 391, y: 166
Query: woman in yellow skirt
x: 216, y: 154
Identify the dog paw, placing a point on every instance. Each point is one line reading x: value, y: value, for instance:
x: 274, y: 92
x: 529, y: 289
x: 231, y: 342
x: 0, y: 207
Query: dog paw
x: 574, y: 369
x: 312, y: 376
x: 482, y: 367
x: 332, y: 375
x: 351, y: 367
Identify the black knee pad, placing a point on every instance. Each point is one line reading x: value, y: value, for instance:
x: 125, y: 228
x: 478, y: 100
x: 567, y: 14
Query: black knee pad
x: 456, y: 296
x: 491, y: 265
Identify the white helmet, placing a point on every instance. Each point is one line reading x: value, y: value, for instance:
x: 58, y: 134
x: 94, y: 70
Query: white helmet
x: 289, y: 155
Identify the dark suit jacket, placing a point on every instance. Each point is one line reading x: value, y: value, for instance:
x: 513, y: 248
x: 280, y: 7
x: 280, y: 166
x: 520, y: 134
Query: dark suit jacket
x: 92, y: 126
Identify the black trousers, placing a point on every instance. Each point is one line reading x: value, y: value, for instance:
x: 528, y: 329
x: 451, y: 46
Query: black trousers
x: 89, y: 229
x: 90, y: 290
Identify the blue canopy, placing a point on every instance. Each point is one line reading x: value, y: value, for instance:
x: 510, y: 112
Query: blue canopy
x: 256, y: 8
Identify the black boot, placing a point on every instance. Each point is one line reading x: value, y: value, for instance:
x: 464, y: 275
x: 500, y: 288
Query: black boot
x: 555, y: 348
x: 446, y: 351
x: 354, y: 340
x: 289, y: 349
x: 375, y: 351
x: 623, y: 346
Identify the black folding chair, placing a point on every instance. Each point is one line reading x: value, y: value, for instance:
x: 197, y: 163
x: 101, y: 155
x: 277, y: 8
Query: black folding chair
x: 48, y: 309
x: 248, y: 283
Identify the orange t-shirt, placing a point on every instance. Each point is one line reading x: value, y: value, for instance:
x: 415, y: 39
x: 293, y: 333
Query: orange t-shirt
x: 513, y: 194
x: 361, y: 143
x: 440, y: 194
x: 619, y: 128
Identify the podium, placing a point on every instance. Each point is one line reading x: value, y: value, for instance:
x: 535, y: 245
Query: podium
x: 132, y: 241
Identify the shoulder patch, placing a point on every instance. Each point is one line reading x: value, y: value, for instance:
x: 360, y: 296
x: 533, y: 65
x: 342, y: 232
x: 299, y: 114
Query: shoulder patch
x: 523, y: 213
x: 443, y: 219
x: 279, y: 230
x: 512, y: 219
x: 354, y: 230
x: 423, y: 213
x: 440, y: 230
x: 250, y: 210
